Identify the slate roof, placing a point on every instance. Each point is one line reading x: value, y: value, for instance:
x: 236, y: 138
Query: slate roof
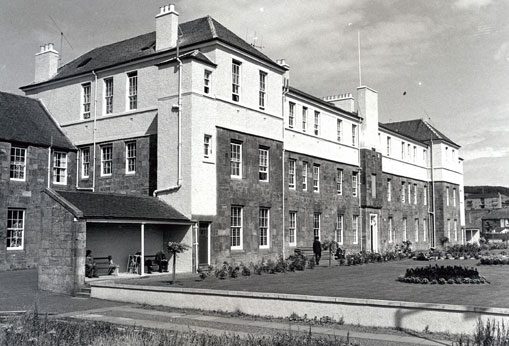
x: 98, y: 205
x: 417, y: 129
x: 495, y: 214
x: 25, y: 120
x: 193, y: 32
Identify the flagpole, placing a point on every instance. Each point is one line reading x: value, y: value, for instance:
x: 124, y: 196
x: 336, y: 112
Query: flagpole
x: 359, y: 51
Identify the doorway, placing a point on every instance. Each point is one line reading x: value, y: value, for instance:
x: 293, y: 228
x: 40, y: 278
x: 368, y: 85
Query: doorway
x: 204, y: 243
x: 373, y: 227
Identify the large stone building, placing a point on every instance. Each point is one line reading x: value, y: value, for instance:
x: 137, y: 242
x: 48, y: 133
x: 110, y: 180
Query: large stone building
x: 247, y: 166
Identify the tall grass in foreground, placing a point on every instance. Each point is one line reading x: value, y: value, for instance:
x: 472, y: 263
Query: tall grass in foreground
x: 34, y: 330
x: 487, y: 334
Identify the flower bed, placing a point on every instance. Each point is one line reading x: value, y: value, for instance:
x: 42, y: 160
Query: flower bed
x: 494, y: 260
x: 442, y: 275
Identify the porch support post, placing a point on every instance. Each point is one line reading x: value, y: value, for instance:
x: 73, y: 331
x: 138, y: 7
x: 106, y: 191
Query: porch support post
x: 142, y: 259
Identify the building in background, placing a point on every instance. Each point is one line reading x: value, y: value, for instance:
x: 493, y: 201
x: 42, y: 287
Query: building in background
x: 247, y: 166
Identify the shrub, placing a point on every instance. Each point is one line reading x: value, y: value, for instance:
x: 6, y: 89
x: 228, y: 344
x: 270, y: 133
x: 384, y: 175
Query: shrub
x: 433, y: 282
x: 296, y: 262
x: 450, y: 281
x: 442, y: 281
x: 311, y: 263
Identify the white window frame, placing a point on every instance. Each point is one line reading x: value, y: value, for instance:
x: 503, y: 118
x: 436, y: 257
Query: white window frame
x: 316, y: 178
x: 389, y: 190
x: 373, y: 185
x: 316, y: 126
x: 454, y: 196
x: 355, y: 186
x: 425, y: 230
x: 449, y: 229
x: 316, y: 225
x: 130, y: 157
x: 355, y: 228
x: 86, y: 91
x: 14, y: 227
x: 416, y: 226
x: 105, y: 160
x: 339, y: 130
x: 207, y: 77
x: 18, y: 164
x: 264, y: 225
x: 291, y: 174
x: 354, y: 135
x: 414, y: 156
x: 236, y: 224
x: 391, y: 229
x: 403, y: 192
x: 388, y: 146
x: 292, y: 228
x: 85, y: 164
x: 108, y: 95
x: 132, y: 90
x: 59, y: 167
x: 409, y: 190
x: 262, y: 95
x: 263, y: 166
x: 291, y: 114
x: 236, y: 160
x: 415, y: 193
x: 455, y: 227
x: 405, y: 225
x: 207, y: 146
x: 236, y: 77
x: 304, y: 119
x: 339, y: 181
x: 425, y: 195
x: 305, y: 168
x: 447, y: 195
x: 339, y: 236
x: 402, y: 150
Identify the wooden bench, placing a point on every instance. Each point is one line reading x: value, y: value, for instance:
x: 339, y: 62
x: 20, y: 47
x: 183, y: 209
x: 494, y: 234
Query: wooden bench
x: 135, y: 269
x: 102, y: 265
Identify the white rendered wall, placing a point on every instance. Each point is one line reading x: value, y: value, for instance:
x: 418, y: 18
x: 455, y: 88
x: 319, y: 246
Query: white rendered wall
x: 326, y: 144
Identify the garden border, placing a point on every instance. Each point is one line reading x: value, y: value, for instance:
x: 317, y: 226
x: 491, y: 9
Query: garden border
x: 366, y: 312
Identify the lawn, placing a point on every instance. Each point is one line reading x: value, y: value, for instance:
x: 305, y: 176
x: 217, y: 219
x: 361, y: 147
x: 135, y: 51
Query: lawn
x: 370, y: 281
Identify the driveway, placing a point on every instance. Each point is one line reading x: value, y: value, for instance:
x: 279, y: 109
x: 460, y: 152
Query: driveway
x: 19, y: 292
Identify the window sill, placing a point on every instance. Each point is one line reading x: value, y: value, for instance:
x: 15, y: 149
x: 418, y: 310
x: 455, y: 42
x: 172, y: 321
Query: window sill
x: 14, y: 249
x: 129, y: 173
x: 18, y: 180
x: 237, y: 249
x: 264, y: 247
x: 55, y: 183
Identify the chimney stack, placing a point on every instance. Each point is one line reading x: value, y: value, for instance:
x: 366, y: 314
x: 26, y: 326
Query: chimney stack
x: 368, y: 110
x: 343, y: 101
x: 286, y: 75
x: 167, y: 28
x: 46, y: 63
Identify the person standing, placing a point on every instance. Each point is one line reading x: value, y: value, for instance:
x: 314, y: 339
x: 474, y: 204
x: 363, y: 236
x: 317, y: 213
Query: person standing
x: 317, y: 250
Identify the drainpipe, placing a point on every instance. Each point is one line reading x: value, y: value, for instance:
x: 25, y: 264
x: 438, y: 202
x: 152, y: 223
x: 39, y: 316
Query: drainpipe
x: 433, y: 190
x: 179, y: 148
x: 49, y: 162
x: 283, y: 101
x: 95, y: 129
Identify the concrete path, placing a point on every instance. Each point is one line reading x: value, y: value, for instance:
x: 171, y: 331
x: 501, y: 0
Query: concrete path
x: 219, y: 325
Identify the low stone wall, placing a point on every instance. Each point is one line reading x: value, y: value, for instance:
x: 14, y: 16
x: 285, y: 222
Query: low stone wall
x: 366, y: 312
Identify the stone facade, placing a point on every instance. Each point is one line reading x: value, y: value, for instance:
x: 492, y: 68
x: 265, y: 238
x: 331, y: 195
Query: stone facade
x: 447, y: 213
x: 328, y: 202
x: 142, y: 182
x: 26, y: 196
x: 61, y: 265
x: 251, y: 194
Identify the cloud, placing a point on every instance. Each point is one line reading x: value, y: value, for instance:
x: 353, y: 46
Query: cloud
x: 502, y: 53
x: 467, y: 4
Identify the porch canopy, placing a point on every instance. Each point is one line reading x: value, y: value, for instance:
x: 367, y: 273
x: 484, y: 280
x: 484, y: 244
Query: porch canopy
x: 114, y: 208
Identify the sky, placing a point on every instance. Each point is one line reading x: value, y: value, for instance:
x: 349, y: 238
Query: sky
x: 446, y: 61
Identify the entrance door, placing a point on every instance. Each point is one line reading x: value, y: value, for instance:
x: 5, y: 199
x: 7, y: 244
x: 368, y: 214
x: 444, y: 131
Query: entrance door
x: 203, y: 243
x: 373, y: 227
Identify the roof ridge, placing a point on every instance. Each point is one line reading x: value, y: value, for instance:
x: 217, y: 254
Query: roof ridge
x: 210, y: 21
x: 432, y: 129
